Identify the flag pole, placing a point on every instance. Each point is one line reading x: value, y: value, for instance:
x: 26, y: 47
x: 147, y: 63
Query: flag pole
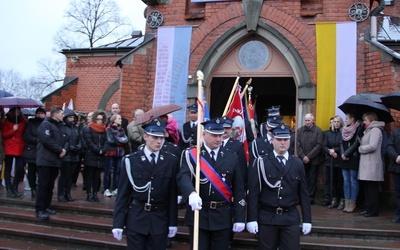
x: 200, y: 78
x: 245, y: 88
x: 231, y: 95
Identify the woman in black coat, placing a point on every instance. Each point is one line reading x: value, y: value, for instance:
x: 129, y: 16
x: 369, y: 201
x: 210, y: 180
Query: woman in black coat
x: 71, y: 158
x: 95, y: 140
x: 393, y: 151
x: 333, y: 174
x: 31, y: 138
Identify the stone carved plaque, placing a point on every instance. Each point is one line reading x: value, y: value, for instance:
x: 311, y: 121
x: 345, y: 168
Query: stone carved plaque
x: 253, y: 55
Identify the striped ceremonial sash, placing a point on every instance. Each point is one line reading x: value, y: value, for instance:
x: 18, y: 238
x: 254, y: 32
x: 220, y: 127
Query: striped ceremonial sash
x: 212, y: 176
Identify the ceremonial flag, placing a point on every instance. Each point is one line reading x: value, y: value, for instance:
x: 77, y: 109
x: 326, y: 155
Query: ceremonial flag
x: 202, y: 102
x: 71, y: 104
x: 250, y: 113
x: 336, y: 68
x: 236, y: 114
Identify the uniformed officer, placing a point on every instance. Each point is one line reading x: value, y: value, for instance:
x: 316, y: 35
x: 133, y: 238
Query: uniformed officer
x: 263, y: 145
x: 277, y: 185
x: 189, y: 129
x: 234, y: 145
x: 222, y: 190
x: 147, y: 193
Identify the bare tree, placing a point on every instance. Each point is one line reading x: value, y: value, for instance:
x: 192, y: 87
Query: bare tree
x: 34, y: 87
x: 90, y: 22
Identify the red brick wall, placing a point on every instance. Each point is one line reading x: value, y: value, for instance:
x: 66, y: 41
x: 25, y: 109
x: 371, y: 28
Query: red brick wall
x: 95, y: 75
x: 61, y: 96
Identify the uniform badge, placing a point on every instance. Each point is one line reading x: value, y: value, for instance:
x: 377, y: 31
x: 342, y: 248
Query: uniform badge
x: 162, y: 157
x: 223, y: 177
x: 242, y: 202
x: 47, y: 132
x: 143, y: 158
x: 203, y: 152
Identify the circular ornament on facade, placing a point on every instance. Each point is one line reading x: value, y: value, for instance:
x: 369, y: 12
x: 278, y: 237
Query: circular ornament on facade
x: 253, y: 55
x: 358, y: 12
x: 154, y: 19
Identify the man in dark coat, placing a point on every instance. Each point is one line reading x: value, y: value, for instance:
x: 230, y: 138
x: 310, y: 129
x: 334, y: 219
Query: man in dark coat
x: 147, y: 194
x: 276, y: 185
x: 309, y: 144
x: 263, y: 145
x: 31, y: 139
x: 189, y: 129
x: 234, y: 145
x: 220, y: 168
x: 50, y: 151
x: 393, y: 151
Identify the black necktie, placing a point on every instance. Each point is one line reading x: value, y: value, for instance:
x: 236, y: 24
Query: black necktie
x: 212, y: 154
x: 153, y: 161
x: 281, y: 160
x: 222, y: 145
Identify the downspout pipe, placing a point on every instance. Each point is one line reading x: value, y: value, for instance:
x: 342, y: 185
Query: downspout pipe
x: 374, y: 40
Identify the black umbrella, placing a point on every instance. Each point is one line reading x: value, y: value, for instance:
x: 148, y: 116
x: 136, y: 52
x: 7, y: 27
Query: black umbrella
x: 360, y: 106
x: 366, y: 96
x: 4, y: 93
x: 392, y: 100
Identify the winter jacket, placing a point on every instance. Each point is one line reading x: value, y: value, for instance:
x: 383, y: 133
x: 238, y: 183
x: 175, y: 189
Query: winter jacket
x: 309, y: 143
x: 116, y: 139
x: 51, y: 143
x: 332, y: 139
x: 13, y: 141
x: 393, y: 151
x: 73, y: 137
x: 95, y: 142
x: 371, y: 165
x: 31, y: 139
x: 350, y: 150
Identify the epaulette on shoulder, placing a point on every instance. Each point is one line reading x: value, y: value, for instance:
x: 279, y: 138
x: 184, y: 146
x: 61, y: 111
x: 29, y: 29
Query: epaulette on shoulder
x: 131, y: 154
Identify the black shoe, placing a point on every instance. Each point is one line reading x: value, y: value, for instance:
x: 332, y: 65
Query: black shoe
x: 395, y: 220
x: 49, y: 211
x: 15, y: 194
x: 42, y: 215
x: 371, y: 215
x: 33, y: 193
x: 89, y: 197
x: 325, y: 203
x: 69, y: 198
x: 61, y: 198
x: 95, y: 198
x: 364, y: 212
x: 169, y: 243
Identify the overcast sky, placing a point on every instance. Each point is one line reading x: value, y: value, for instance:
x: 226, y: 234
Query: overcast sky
x: 27, y: 29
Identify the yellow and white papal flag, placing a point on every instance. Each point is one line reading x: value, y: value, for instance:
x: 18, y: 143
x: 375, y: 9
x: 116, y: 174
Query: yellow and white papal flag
x: 336, y: 68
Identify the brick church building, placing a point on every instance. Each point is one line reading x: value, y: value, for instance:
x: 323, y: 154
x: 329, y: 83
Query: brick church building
x: 272, y: 42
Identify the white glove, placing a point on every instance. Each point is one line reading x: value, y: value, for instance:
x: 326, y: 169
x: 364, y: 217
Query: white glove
x: 117, y: 233
x: 179, y: 199
x: 306, y: 228
x: 238, y: 227
x: 252, y: 227
x: 195, y: 201
x: 172, y: 232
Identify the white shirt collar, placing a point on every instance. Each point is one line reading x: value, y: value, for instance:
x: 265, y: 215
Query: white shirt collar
x: 147, y: 152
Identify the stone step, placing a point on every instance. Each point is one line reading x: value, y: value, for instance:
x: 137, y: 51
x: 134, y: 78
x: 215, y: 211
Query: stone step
x: 87, y: 225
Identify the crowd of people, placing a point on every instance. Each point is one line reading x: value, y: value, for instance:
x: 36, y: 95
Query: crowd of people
x: 151, y: 168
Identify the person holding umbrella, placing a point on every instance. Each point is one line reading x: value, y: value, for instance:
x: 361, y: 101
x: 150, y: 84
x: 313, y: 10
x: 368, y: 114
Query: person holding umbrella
x: 351, y: 135
x: 371, y: 169
x: 14, y: 145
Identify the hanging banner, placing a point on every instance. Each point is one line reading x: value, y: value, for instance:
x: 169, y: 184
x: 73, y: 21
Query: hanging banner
x: 336, y: 68
x: 172, y: 67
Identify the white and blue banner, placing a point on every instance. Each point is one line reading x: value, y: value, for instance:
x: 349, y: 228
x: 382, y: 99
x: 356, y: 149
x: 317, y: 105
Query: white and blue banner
x: 173, y: 52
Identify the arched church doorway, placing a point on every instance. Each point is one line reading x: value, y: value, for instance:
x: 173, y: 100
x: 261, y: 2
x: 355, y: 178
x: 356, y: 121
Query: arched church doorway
x: 267, y: 92
x: 279, y: 76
